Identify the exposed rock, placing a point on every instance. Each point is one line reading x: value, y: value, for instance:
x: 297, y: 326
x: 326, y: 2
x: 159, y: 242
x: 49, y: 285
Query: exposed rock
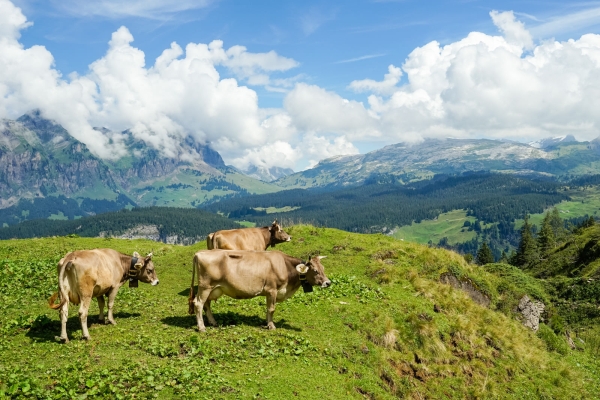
x: 531, y: 312
x: 570, y: 341
x: 467, y: 286
x: 151, y: 232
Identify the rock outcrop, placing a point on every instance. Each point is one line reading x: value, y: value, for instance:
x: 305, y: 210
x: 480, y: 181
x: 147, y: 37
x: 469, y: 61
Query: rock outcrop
x: 531, y: 312
x: 467, y: 286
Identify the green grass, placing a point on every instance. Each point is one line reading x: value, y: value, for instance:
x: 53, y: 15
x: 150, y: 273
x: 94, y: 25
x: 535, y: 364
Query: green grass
x: 373, y: 334
x: 247, y: 224
x: 584, y: 201
x: 60, y: 216
x: 448, y: 225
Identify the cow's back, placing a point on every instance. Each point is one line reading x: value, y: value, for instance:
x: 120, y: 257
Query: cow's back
x: 94, y: 271
x: 239, y: 239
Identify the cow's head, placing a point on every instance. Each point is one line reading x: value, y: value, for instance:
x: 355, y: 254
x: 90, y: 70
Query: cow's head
x: 145, y: 269
x: 314, y: 271
x: 278, y: 235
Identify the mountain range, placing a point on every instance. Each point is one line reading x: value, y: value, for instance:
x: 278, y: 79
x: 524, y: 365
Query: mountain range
x: 47, y: 173
x: 412, y: 162
x: 40, y: 163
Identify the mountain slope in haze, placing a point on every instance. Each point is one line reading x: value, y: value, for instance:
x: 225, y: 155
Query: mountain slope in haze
x: 405, y: 163
x: 40, y: 161
x: 267, y: 174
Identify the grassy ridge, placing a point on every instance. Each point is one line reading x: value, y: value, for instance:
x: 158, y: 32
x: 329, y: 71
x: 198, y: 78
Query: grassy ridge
x: 373, y: 334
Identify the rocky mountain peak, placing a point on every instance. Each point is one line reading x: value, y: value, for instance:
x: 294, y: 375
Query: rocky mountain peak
x: 553, y: 141
x: 46, y: 129
x: 266, y: 174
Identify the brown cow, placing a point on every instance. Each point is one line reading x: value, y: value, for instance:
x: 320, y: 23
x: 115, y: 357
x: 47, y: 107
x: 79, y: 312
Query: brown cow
x: 84, y: 274
x: 244, y: 274
x: 258, y: 239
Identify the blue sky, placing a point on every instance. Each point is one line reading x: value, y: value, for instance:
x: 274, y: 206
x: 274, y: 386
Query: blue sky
x: 301, y: 98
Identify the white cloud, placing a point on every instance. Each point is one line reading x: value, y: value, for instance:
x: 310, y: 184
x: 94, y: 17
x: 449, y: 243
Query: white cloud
x: 181, y: 94
x: 314, y: 109
x: 153, y: 9
x: 387, y: 86
x: 480, y: 86
x: 514, y: 31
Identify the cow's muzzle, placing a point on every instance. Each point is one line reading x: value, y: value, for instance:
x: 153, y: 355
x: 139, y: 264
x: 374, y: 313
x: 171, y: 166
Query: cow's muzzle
x: 326, y: 284
x: 289, y: 239
x: 154, y: 283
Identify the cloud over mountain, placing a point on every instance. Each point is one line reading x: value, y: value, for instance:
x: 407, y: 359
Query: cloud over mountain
x: 495, y: 86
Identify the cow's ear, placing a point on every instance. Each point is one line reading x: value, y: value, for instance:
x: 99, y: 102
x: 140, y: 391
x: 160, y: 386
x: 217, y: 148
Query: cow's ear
x: 302, y: 268
x: 139, y: 264
x: 136, y: 254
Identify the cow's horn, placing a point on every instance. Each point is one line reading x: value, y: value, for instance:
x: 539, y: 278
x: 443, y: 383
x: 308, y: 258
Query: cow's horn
x: 149, y: 255
x: 322, y: 257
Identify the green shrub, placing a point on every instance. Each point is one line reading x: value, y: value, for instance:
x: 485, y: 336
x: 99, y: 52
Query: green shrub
x: 553, y: 342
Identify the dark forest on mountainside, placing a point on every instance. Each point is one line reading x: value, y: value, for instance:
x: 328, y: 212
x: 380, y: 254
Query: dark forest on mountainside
x: 373, y: 207
x: 184, y: 222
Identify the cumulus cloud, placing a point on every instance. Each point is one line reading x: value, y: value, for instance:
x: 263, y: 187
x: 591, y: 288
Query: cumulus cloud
x: 387, y: 86
x: 182, y: 94
x: 504, y: 87
x: 514, y: 31
x: 497, y: 86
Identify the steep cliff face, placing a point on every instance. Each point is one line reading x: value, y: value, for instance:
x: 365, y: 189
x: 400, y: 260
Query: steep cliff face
x: 39, y: 158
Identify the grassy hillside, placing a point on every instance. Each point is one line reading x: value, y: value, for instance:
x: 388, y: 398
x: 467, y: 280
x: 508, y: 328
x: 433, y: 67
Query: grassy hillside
x: 448, y: 225
x: 385, y: 329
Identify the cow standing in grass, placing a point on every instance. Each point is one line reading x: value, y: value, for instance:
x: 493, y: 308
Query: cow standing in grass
x: 243, y: 274
x: 84, y: 274
x: 257, y: 239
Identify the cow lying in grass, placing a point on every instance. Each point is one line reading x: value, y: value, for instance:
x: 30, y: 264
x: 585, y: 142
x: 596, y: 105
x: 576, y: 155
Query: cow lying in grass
x: 84, y: 274
x: 246, y: 274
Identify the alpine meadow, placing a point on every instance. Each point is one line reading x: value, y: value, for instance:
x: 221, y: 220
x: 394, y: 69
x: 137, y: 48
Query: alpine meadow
x: 378, y: 199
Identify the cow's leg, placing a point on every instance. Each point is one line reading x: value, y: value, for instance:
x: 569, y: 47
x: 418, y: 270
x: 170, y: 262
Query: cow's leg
x: 101, y: 308
x: 111, y: 302
x: 83, y: 314
x: 271, y: 299
x: 209, y: 314
x: 64, y: 315
x: 199, y: 301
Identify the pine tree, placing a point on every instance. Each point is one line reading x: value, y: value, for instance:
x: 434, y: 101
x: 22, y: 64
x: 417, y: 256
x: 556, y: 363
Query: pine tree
x: 484, y: 255
x: 504, y: 258
x: 526, y: 254
x: 558, y: 226
x: 546, y: 239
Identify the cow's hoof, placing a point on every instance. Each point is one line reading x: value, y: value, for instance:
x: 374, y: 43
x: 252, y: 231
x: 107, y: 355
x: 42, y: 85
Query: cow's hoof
x: 62, y: 339
x: 102, y: 321
x: 270, y: 327
x: 86, y: 338
x: 201, y: 329
x: 213, y: 323
x: 111, y: 322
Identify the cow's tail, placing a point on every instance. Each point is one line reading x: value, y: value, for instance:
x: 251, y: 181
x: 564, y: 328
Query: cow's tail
x: 191, y: 309
x: 209, y: 241
x: 64, y: 296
